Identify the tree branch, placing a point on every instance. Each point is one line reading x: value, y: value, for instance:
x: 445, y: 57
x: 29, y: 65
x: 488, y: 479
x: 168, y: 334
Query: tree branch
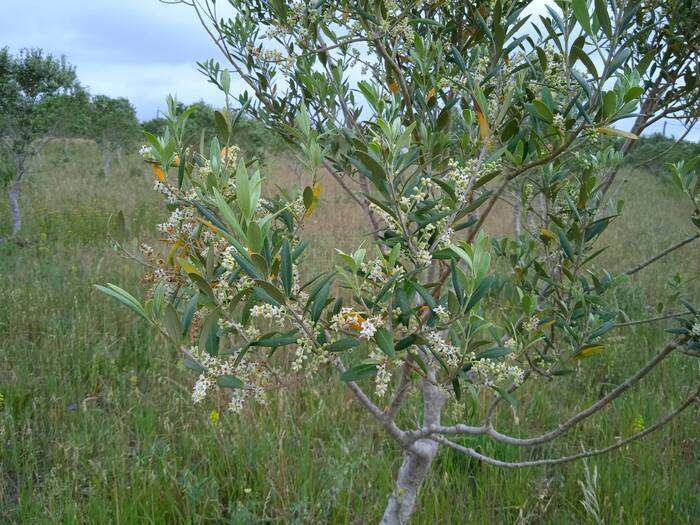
x: 585, y: 454
x: 563, y: 427
x: 662, y: 254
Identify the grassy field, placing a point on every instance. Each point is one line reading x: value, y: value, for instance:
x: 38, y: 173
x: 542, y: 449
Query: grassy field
x: 97, y: 425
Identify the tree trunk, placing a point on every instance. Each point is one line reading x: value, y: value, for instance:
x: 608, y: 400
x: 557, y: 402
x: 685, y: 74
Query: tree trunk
x: 106, y: 161
x: 13, y: 194
x: 417, y: 461
x: 13, y: 199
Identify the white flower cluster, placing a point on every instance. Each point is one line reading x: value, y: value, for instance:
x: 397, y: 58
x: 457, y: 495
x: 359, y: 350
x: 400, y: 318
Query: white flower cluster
x: 305, y: 358
x: 492, y: 372
x: 180, y: 223
x: 164, y: 277
x: 222, y: 290
x: 423, y: 257
x: 346, y: 319
x: 303, y: 353
x: 464, y: 177
x: 446, y: 351
x: 250, y: 332
x: 695, y: 330
x: 350, y: 320
x: 227, y: 260
x: 383, y: 376
x: 532, y: 324
x: 375, y: 270
x: 268, y: 312
x: 250, y: 372
x: 369, y: 326
x: 555, y: 76
x: 146, y: 152
x: 442, y: 313
x: 166, y: 190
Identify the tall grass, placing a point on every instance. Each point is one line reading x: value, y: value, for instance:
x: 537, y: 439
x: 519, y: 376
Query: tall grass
x: 97, y: 425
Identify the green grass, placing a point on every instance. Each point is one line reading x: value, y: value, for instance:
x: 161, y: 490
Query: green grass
x: 97, y: 425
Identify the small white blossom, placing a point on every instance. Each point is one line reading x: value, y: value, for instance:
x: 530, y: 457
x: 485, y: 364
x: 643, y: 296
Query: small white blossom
x: 532, y: 324
x: 695, y: 330
x: 368, y: 327
x: 442, y: 313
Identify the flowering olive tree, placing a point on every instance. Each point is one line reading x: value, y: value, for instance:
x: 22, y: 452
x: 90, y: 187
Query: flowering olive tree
x: 425, y: 113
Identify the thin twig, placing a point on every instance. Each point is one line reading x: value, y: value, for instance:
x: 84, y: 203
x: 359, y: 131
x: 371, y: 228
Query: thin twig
x: 662, y: 254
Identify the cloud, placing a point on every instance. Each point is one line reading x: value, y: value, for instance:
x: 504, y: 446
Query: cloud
x: 141, y: 49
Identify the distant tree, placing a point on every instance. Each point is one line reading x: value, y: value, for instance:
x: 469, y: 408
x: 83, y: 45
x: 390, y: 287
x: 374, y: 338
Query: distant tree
x: 114, y: 126
x: 250, y: 135
x: 31, y: 84
x: 663, y: 45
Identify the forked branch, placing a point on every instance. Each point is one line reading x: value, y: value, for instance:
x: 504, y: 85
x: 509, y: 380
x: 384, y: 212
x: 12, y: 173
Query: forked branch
x: 693, y: 398
x: 664, y: 253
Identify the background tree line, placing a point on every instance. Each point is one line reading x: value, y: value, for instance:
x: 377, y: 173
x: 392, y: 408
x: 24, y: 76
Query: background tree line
x: 42, y: 99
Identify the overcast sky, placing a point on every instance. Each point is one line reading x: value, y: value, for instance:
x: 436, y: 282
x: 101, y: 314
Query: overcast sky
x: 139, y: 49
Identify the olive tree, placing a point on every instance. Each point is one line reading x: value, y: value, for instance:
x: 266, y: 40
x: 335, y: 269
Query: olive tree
x: 37, y: 92
x: 424, y: 113
x: 113, y: 125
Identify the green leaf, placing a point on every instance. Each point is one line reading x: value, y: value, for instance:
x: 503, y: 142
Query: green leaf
x: 565, y: 243
x: 543, y: 111
x: 507, y: 396
x: 385, y: 341
x: 343, y: 344
x: 191, y: 364
x: 203, y: 286
x: 229, y: 382
x: 480, y: 291
x: 588, y: 351
x: 254, y: 237
x: 493, y: 353
x: 246, y: 264
x: 268, y: 293
x: 320, y: 301
x: 358, y: 372
x: 617, y: 133
x: 405, y: 342
x: 601, y: 13
x: 223, y: 126
x: 273, y: 342
x: 243, y: 192
x: 426, y: 295
x: 172, y: 323
x: 602, y: 329
x: 123, y: 297
x: 374, y: 166
x: 286, y: 269
x: 189, y: 313
x: 580, y: 8
x: 117, y: 226
x: 227, y: 214
x: 209, y: 338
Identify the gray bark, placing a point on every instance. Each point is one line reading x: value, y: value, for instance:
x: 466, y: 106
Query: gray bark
x: 13, y: 199
x: 416, y: 462
x: 13, y: 194
x: 106, y: 161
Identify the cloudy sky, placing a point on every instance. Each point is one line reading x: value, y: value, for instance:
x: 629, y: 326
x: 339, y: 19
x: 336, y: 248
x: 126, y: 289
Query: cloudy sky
x: 140, y: 49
